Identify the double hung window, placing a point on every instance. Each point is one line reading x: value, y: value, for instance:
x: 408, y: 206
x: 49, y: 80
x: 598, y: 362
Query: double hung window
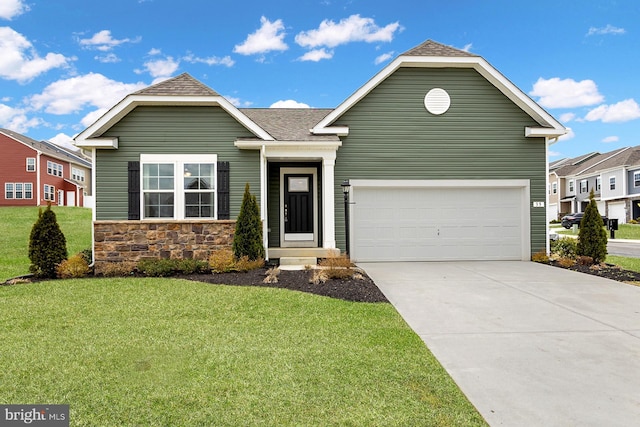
x: 178, y: 186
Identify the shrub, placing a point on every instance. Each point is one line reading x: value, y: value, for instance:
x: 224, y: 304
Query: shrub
x: 157, y: 267
x: 245, y: 264
x: 318, y: 276
x: 190, y: 266
x: 47, y: 244
x: 564, y: 247
x: 221, y: 261
x: 272, y: 275
x: 337, y: 267
x: 247, y: 240
x: 118, y: 269
x: 87, y: 254
x: 73, y: 268
x: 585, y: 260
x: 540, y: 256
x: 565, y: 262
x: 592, y: 239
x: 632, y: 221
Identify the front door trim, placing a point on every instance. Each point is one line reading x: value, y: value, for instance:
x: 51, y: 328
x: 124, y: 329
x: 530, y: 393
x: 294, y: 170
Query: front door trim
x: 306, y: 240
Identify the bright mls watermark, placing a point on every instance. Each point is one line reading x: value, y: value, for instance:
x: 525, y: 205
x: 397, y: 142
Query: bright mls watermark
x: 34, y: 415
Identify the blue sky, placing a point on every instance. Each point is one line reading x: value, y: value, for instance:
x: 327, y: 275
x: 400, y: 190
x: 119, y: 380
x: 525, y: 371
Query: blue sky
x: 63, y: 63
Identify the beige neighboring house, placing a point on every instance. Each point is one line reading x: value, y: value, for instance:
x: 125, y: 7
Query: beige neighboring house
x: 614, y: 176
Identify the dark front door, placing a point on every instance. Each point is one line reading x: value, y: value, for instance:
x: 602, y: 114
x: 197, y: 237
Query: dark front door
x: 298, y: 206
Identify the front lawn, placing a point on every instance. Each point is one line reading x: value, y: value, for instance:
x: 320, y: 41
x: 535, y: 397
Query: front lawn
x: 170, y: 352
x: 15, y: 227
x: 625, y: 231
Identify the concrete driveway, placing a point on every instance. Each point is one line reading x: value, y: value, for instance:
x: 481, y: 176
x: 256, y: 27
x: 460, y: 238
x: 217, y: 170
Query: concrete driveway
x: 529, y: 344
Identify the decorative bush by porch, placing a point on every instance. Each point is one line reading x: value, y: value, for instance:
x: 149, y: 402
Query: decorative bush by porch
x: 247, y: 240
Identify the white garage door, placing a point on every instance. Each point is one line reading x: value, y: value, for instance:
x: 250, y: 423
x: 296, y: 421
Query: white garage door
x: 431, y: 223
x: 616, y: 210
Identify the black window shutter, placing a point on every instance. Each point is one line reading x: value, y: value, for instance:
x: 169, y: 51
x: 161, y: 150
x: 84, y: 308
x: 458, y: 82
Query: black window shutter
x: 134, y: 190
x: 223, y: 190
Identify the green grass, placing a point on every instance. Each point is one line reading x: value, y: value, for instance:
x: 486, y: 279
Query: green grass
x: 15, y: 227
x: 632, y: 264
x: 164, y: 352
x: 625, y: 231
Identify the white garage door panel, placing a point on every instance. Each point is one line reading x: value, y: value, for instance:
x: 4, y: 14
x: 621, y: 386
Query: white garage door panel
x: 617, y: 210
x: 435, y: 224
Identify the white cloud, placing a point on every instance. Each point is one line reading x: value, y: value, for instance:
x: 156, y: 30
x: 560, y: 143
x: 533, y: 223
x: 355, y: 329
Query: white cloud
x: 567, y: 136
x: 567, y: 117
x: 16, y: 119
x: 317, y: 55
x: 74, y: 94
x: 9, y: 9
x: 289, y: 103
x: 237, y: 102
x: 622, y: 111
x: 212, y: 60
x: 269, y: 37
x: 609, y: 29
x: 154, y: 51
x: 64, y: 140
x: 110, y: 58
x: 610, y: 139
x: 567, y: 93
x: 467, y: 47
x: 103, y: 41
x: 160, y: 68
x: 554, y: 154
x: 352, y: 29
x: 19, y: 60
x: 384, y: 57
x: 91, y: 117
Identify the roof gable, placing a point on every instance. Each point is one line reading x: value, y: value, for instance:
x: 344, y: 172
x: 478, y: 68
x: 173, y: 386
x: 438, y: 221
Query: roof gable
x: 48, y: 148
x: 180, y: 90
x: 182, y: 85
x: 436, y: 55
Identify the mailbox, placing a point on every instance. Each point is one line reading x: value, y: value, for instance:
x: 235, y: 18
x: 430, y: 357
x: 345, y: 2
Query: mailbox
x: 612, y: 224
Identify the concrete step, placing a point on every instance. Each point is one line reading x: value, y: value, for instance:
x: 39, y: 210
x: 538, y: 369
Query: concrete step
x: 297, y: 262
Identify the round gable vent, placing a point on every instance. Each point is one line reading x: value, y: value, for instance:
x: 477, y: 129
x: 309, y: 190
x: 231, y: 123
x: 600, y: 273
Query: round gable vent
x: 437, y: 101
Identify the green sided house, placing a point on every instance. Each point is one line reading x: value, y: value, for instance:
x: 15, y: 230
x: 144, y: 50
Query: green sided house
x: 441, y: 157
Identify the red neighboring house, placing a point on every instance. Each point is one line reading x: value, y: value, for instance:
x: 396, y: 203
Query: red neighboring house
x: 34, y: 173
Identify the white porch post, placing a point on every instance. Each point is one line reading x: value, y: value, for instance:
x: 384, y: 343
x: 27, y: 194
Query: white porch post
x: 328, y: 201
x: 263, y: 200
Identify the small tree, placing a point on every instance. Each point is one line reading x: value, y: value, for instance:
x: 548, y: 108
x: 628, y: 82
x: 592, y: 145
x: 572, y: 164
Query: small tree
x: 592, y: 238
x: 47, y: 244
x: 247, y: 240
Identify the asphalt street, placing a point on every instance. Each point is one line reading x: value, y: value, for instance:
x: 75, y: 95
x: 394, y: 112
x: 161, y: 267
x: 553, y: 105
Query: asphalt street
x: 622, y: 248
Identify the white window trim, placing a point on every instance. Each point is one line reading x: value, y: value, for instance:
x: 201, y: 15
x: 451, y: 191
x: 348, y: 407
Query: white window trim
x: 554, y: 188
x: 635, y: 180
x: 612, y: 183
x: 586, y: 186
x: 572, y: 186
x: 178, y: 160
x: 598, y: 184
x: 33, y: 169
x: 51, y: 193
x: 14, y: 190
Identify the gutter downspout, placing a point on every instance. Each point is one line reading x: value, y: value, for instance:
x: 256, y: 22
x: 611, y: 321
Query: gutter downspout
x: 38, y: 171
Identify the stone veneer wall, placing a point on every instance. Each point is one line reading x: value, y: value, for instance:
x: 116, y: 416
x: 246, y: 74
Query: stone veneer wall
x: 117, y: 241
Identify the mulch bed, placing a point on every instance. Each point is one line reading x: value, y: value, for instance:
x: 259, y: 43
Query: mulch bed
x: 608, y: 271
x: 358, y: 290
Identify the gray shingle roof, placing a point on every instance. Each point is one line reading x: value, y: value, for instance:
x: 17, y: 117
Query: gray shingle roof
x: 591, y: 164
x: 49, y: 148
x: 431, y: 48
x: 290, y: 124
x: 182, y: 85
x: 628, y: 157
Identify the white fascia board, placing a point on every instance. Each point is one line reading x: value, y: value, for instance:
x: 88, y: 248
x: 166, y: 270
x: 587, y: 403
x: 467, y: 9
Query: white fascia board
x: 535, y: 132
x: 332, y: 130
x: 503, y: 84
x: 124, y: 107
x: 104, y: 143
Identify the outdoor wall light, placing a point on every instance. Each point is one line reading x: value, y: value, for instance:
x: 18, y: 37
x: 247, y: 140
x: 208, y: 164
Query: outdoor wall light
x: 346, y: 186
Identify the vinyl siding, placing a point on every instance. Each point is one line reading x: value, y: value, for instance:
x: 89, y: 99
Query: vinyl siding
x: 481, y: 136
x: 172, y: 130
